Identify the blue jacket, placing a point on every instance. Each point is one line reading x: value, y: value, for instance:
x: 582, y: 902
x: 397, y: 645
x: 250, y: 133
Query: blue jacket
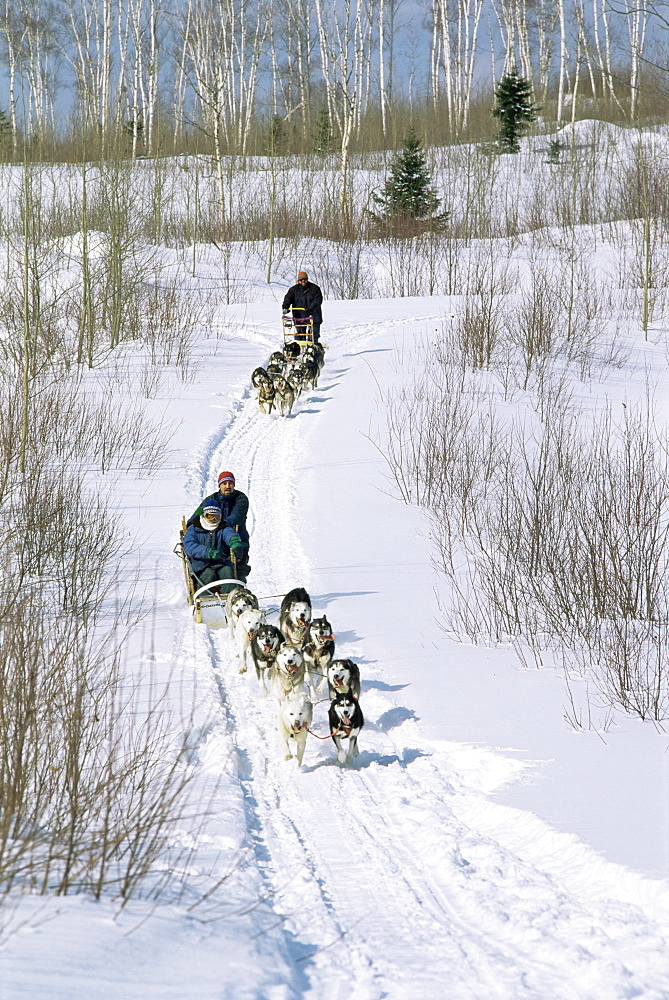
x: 234, y: 509
x: 197, y: 543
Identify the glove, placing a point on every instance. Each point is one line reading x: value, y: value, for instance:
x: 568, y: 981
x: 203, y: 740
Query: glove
x: 236, y: 546
x: 215, y: 554
x: 285, y: 312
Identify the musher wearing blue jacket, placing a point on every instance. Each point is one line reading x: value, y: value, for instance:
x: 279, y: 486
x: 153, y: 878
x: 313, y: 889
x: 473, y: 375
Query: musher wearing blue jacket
x: 230, y: 534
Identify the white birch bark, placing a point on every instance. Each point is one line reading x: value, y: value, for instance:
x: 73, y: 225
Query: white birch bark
x: 343, y: 59
x: 459, y: 24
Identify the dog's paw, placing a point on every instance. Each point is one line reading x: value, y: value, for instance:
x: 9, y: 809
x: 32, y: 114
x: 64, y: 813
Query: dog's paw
x: 341, y: 756
x: 242, y: 670
x: 288, y: 756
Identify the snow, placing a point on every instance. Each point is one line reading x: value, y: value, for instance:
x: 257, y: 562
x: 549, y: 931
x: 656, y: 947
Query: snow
x: 479, y: 847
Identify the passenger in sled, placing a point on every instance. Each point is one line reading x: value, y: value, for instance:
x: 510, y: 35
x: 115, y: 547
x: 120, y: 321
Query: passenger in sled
x: 214, y: 550
x: 231, y: 537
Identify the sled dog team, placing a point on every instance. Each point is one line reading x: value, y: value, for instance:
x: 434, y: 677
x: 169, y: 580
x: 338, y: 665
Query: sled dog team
x: 294, y: 663
x: 288, y: 372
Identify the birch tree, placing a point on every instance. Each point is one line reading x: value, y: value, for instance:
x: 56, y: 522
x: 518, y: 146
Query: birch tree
x: 457, y: 24
x: 93, y: 34
x: 343, y: 59
x: 11, y: 34
x: 222, y: 45
x: 636, y: 12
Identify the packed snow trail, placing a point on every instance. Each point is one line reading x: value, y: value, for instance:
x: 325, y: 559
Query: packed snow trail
x: 396, y: 877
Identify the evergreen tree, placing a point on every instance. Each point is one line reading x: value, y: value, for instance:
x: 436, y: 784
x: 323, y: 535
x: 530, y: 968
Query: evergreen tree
x: 408, y: 201
x: 276, y: 136
x: 515, y: 110
x: 323, y: 138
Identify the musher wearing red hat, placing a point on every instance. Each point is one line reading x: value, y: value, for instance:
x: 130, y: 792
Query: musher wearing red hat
x: 305, y: 299
x: 234, y: 506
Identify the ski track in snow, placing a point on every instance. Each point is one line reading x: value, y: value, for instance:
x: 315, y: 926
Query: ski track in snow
x: 392, y: 877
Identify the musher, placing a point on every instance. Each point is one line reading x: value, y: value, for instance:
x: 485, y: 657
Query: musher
x: 234, y: 506
x: 305, y: 299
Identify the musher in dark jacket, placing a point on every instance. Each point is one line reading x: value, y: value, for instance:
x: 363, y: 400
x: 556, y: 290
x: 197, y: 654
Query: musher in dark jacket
x: 305, y: 299
x: 234, y: 506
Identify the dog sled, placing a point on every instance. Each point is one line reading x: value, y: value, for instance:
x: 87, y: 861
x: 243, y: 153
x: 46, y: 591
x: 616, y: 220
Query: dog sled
x: 208, y: 601
x: 299, y: 328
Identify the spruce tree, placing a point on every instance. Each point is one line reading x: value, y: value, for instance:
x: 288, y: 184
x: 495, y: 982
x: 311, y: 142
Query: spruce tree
x: 408, y: 200
x: 515, y: 110
x: 323, y: 137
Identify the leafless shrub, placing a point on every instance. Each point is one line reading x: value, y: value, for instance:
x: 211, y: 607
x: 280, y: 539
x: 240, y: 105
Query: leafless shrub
x: 534, y: 325
x: 92, y: 778
x: 570, y: 549
x: 72, y: 426
x: 91, y: 787
x: 172, y: 318
x: 478, y: 329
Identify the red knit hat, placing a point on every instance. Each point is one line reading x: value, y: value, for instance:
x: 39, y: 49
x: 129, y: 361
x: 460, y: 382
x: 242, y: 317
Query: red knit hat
x: 302, y: 274
x: 226, y: 477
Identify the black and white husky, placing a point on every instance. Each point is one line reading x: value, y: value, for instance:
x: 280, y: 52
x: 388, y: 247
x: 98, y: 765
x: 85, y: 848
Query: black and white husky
x: 318, y: 652
x: 344, y: 678
x: 264, y: 647
x: 295, y: 615
x: 346, y: 721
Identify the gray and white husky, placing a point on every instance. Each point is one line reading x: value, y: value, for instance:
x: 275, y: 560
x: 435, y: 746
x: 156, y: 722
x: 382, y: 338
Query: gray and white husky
x: 295, y: 615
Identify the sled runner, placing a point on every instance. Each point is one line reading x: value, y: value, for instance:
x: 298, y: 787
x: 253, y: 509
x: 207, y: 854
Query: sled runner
x: 208, y: 601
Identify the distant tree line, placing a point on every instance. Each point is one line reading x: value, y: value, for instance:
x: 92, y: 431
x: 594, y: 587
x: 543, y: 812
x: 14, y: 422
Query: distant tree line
x: 252, y: 76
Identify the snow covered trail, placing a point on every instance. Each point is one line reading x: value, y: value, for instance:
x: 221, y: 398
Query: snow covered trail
x: 397, y: 876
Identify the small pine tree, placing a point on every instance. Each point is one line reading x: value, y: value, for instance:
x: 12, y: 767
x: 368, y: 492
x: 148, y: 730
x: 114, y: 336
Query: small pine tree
x: 408, y: 200
x: 515, y: 110
x: 323, y: 138
x: 5, y: 133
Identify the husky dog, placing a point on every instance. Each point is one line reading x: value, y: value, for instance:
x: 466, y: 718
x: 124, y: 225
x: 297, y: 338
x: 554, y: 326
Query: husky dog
x: 264, y: 647
x: 346, y: 721
x: 311, y: 372
x: 292, y: 350
x: 266, y: 394
x: 343, y: 678
x: 295, y: 615
x: 313, y: 358
x: 317, y: 352
x: 277, y: 358
x: 293, y: 720
x: 284, y: 395
x: 318, y: 652
x: 297, y: 379
x: 287, y: 674
x: 238, y: 600
x: 248, y: 624
x: 258, y: 375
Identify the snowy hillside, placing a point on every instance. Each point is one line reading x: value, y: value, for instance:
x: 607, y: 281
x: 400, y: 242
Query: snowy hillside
x: 414, y: 870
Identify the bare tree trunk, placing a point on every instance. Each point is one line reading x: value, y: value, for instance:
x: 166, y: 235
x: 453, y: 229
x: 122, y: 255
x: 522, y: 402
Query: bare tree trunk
x: 382, y: 67
x: 342, y: 59
x: 563, y: 60
x: 637, y: 20
x: 459, y: 40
